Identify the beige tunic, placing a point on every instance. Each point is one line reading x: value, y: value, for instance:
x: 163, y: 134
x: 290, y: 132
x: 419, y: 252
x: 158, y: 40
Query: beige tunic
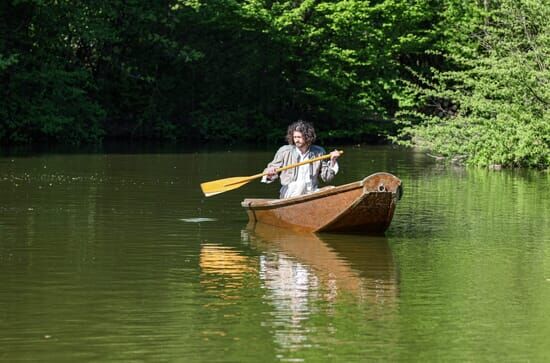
x: 303, y: 179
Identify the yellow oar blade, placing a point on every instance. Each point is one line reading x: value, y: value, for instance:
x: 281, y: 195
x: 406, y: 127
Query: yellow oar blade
x: 223, y: 185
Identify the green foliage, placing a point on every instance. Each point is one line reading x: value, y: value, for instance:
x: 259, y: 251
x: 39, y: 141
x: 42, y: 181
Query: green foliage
x: 493, y: 109
x: 56, y: 107
x: 218, y: 69
x: 345, y: 56
x: 5, y: 62
x: 45, y: 97
x: 232, y: 71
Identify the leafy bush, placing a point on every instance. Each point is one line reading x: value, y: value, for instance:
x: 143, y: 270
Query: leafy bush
x: 495, y: 108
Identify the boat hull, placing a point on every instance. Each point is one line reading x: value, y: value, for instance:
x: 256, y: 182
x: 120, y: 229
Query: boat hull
x: 365, y: 206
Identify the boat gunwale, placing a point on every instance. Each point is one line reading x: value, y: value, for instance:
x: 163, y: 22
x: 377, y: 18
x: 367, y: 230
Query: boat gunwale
x: 276, y: 203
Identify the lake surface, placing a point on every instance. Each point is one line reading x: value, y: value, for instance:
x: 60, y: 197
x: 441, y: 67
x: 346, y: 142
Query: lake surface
x: 118, y: 257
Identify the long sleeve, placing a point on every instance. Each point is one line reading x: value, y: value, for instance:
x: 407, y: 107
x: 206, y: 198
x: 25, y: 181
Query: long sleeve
x: 277, y: 162
x: 328, y: 171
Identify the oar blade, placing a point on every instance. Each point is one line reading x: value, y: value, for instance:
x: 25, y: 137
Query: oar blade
x: 223, y: 185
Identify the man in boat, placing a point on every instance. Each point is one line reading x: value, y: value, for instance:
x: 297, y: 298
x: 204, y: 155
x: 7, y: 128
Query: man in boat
x: 305, y: 178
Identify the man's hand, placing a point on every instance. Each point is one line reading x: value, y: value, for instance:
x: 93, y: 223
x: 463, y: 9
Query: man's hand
x: 271, y: 172
x: 333, y: 156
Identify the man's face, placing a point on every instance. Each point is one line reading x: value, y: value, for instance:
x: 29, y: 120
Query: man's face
x: 298, y: 139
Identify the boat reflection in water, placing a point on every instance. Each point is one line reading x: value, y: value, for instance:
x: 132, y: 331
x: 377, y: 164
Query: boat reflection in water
x: 311, y: 283
x: 288, y: 262
x: 306, y: 275
x: 332, y: 264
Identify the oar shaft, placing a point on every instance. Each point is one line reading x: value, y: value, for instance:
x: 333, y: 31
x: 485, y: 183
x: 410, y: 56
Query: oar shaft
x: 309, y: 161
x: 304, y: 162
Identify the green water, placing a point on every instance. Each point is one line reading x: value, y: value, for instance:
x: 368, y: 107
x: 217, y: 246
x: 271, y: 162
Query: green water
x: 103, y: 259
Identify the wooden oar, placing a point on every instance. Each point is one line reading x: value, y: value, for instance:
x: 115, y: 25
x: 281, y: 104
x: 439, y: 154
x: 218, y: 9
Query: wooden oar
x: 223, y: 185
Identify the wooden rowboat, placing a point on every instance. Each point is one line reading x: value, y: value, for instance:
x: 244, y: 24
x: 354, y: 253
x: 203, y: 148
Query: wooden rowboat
x: 365, y: 206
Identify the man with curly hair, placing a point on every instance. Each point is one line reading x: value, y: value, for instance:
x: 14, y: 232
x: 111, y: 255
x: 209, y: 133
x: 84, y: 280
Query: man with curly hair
x: 305, y: 178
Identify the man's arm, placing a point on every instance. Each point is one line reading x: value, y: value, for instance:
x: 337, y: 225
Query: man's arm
x: 330, y: 168
x: 276, y: 163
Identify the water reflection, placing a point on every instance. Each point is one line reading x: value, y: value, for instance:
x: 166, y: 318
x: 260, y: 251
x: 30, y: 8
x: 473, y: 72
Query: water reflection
x: 336, y: 264
x: 308, y: 274
x: 218, y: 259
x: 303, y: 279
x: 223, y: 271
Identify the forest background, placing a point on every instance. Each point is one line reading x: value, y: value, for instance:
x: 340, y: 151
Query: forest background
x: 467, y: 80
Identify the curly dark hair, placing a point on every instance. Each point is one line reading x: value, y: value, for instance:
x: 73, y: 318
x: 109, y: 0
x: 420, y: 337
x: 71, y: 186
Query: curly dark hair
x: 307, y: 130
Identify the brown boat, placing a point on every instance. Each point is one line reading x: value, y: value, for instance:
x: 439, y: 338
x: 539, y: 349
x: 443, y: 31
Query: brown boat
x: 365, y: 206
